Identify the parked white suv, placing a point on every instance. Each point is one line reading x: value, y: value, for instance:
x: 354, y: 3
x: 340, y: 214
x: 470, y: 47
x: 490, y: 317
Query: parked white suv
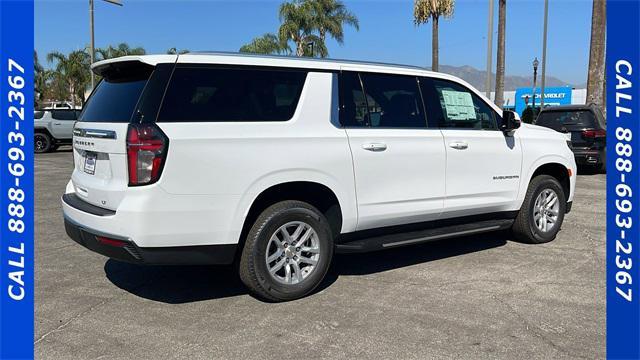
x: 276, y: 162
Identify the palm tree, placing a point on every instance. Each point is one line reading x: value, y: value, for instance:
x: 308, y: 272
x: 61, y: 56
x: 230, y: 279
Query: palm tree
x: 595, y: 80
x: 266, y: 44
x: 502, y: 20
x: 122, y: 49
x: 330, y: 16
x: 175, y: 51
x: 423, y: 10
x: 73, y: 71
x: 297, y: 25
x: 41, y: 78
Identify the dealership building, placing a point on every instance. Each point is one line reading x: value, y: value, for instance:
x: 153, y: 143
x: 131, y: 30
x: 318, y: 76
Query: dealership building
x: 553, y: 96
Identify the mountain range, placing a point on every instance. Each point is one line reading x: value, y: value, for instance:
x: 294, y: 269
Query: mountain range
x: 477, y: 78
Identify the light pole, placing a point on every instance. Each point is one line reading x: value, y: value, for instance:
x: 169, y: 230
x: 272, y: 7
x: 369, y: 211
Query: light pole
x: 93, y: 48
x: 533, y: 93
x: 544, y: 53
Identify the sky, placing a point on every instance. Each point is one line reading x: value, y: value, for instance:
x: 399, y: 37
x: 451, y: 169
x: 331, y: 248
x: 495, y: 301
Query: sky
x: 386, y: 34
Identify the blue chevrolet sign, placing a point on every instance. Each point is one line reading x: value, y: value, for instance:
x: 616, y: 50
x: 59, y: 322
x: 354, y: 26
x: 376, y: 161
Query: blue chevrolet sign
x: 553, y: 96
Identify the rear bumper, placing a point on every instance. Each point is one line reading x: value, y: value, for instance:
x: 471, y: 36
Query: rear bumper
x: 589, y: 157
x: 126, y: 250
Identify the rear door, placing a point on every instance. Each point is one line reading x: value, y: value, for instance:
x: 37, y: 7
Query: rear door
x: 129, y: 92
x: 398, y: 160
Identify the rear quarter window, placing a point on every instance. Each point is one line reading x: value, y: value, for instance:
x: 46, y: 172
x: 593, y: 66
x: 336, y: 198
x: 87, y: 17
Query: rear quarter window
x: 208, y: 94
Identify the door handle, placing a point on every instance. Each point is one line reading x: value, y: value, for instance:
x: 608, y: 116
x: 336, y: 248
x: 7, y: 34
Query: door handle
x: 57, y: 123
x: 375, y: 147
x: 459, y: 145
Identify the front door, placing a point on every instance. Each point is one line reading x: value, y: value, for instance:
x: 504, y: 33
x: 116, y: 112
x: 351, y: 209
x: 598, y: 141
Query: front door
x: 483, y: 164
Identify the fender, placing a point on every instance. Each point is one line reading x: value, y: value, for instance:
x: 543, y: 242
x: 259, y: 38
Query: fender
x: 527, y: 174
x: 346, y: 197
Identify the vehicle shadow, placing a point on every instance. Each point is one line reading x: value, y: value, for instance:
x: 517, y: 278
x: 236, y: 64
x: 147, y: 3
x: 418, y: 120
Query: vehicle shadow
x: 185, y: 284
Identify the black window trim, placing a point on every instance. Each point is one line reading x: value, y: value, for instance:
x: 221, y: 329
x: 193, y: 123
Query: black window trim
x: 238, y: 67
x: 368, y: 122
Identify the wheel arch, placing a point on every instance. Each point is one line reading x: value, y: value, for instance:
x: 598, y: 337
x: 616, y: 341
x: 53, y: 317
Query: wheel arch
x: 317, y: 193
x: 557, y: 170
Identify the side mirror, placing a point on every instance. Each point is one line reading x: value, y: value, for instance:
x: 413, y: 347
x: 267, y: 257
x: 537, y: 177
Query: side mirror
x: 510, y: 121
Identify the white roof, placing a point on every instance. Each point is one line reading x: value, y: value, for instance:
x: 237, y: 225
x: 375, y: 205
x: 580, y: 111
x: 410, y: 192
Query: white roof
x: 290, y: 62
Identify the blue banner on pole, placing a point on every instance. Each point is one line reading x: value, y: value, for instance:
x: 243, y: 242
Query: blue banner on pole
x: 623, y: 180
x: 16, y: 179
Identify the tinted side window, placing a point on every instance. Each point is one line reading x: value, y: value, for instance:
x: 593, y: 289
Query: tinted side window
x: 38, y: 114
x: 199, y: 94
x: 391, y: 101
x: 353, y: 108
x: 64, y: 114
x: 461, y: 108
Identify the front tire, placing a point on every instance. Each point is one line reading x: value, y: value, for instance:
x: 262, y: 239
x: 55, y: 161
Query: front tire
x: 542, y: 211
x: 41, y: 143
x: 287, y: 251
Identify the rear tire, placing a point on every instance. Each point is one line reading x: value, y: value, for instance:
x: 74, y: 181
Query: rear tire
x: 287, y: 251
x: 542, y: 211
x: 41, y: 143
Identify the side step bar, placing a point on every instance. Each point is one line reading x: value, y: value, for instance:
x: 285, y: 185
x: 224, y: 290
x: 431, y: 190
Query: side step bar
x: 420, y: 236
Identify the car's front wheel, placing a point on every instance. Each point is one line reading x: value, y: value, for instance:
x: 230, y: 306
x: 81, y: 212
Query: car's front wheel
x: 287, y: 251
x: 41, y: 143
x: 542, y: 211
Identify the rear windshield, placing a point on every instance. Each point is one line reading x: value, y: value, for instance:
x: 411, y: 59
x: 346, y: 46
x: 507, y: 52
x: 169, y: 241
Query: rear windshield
x: 116, y: 96
x: 567, y: 119
x: 38, y: 114
x: 197, y: 94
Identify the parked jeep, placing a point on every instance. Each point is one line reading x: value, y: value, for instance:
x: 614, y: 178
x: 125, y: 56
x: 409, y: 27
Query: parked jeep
x: 52, y: 128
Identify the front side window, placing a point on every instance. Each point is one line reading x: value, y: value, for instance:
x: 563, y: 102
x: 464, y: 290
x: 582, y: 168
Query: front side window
x: 381, y: 100
x: 200, y: 94
x: 461, y: 108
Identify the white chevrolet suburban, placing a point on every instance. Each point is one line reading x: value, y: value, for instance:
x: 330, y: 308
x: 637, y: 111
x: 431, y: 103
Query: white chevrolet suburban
x: 275, y: 163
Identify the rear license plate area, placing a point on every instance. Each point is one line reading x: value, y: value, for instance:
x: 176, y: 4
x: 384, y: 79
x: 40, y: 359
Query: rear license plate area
x: 90, y: 159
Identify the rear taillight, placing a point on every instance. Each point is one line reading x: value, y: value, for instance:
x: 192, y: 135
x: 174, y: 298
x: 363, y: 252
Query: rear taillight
x: 146, y: 151
x: 592, y: 134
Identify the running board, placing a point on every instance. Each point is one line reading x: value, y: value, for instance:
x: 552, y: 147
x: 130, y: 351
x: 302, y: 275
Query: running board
x: 420, y: 236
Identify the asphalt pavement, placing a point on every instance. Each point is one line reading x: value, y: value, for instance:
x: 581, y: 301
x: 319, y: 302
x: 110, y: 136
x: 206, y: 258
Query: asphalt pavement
x: 479, y: 297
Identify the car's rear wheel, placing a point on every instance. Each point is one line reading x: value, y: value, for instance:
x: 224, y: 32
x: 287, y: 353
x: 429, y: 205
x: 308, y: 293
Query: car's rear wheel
x: 287, y: 251
x: 542, y: 211
x: 41, y: 143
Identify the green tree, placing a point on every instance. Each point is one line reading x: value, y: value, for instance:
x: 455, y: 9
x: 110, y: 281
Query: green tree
x: 175, y: 51
x: 329, y: 18
x: 41, y: 79
x: 425, y: 10
x: 297, y: 25
x: 72, y: 73
x: 122, y: 49
x: 266, y: 44
x: 306, y: 23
